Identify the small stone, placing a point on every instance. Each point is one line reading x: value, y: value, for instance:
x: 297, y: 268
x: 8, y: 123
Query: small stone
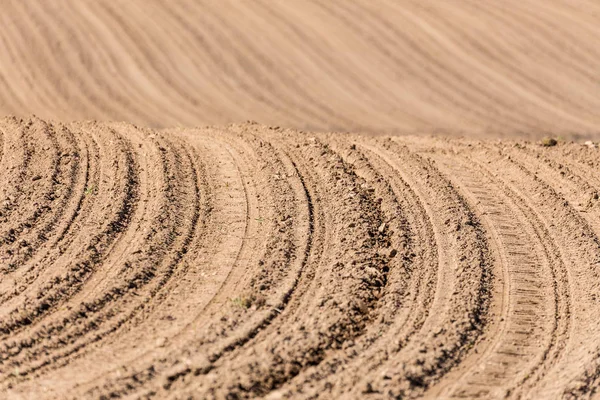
x: 368, y: 388
x: 548, y: 142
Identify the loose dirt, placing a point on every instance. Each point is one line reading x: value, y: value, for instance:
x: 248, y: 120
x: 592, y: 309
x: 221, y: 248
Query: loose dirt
x: 444, y: 249
x: 247, y: 260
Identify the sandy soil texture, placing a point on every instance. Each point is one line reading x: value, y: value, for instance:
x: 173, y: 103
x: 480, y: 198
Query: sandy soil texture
x: 510, y: 67
x: 249, y: 261
x: 171, y: 248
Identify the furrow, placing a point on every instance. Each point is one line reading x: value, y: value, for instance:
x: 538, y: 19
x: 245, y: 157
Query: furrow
x: 344, y: 312
x: 283, y: 87
x: 257, y: 289
x: 43, y: 207
x: 579, y: 248
x: 85, y: 175
x: 402, y: 303
x: 136, y: 287
x: 64, y: 283
x: 391, y: 43
x: 534, y: 297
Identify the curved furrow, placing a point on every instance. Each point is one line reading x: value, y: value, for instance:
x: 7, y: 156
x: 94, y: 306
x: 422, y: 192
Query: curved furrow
x: 419, y: 253
x: 297, y: 241
x: 282, y: 267
x: 459, y: 310
x: 390, y: 289
x: 250, y: 261
x: 403, y: 301
x: 247, y: 56
x: 267, y: 294
x: 139, y: 280
x: 183, y: 370
x: 543, y: 82
x: 63, y: 229
x: 17, y: 166
x: 225, y: 211
x: 533, y: 284
x: 31, y: 190
x: 15, y: 163
x: 355, y: 264
x: 4, y: 129
x: 580, y: 249
x: 46, y: 205
x: 57, y: 285
x: 577, y: 183
x: 573, y: 180
x: 2, y: 139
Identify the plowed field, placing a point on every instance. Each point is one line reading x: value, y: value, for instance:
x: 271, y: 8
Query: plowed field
x: 255, y: 261
x: 185, y: 253
x: 511, y: 67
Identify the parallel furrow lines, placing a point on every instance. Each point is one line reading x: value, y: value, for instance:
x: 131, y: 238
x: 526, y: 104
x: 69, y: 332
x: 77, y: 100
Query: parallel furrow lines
x: 252, y: 261
x: 515, y: 68
x: 529, y: 261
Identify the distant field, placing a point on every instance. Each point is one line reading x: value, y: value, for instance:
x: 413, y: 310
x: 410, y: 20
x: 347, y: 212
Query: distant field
x: 502, y: 68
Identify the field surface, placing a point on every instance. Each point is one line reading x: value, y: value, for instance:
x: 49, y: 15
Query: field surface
x: 255, y: 261
x: 511, y: 67
x: 155, y: 243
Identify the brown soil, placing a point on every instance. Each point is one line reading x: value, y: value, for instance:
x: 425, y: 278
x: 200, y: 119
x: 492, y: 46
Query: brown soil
x: 148, y: 259
x: 508, y: 68
x: 249, y: 261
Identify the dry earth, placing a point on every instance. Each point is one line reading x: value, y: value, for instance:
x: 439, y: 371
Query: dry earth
x: 254, y: 261
x: 510, y: 67
x: 148, y: 259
